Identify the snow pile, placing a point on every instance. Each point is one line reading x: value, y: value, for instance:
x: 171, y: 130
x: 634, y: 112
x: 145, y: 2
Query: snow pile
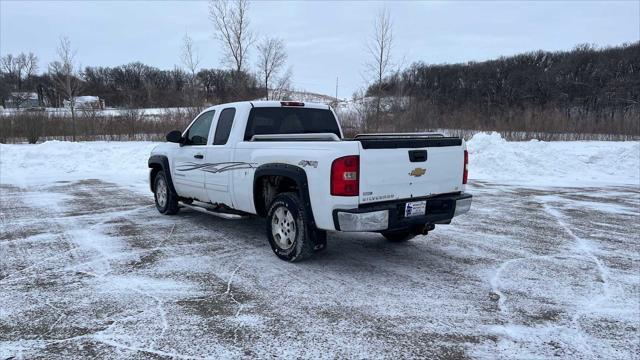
x: 123, y: 163
x: 561, y: 163
x: 575, y: 163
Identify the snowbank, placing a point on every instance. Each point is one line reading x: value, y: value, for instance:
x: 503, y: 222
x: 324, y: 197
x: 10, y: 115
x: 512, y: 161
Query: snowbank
x: 534, y: 163
x: 123, y: 163
x: 560, y: 163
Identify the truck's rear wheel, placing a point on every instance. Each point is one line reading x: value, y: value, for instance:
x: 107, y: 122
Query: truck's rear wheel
x: 166, y: 200
x: 288, y: 228
x: 398, y: 235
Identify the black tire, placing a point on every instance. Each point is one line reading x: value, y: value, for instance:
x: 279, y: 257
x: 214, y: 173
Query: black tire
x: 170, y: 204
x: 399, y: 235
x: 297, y: 237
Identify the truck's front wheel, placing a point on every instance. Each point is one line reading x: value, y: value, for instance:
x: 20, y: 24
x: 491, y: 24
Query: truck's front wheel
x: 288, y: 228
x: 166, y: 200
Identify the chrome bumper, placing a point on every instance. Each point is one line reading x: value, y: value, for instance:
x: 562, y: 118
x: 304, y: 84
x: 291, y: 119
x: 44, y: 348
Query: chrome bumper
x: 390, y: 215
x: 462, y: 206
x: 366, y: 221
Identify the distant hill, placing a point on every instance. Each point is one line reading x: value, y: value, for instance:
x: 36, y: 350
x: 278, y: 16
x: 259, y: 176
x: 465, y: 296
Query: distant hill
x: 586, y: 89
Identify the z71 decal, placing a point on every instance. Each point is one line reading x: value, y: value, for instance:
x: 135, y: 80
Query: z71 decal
x: 215, y: 167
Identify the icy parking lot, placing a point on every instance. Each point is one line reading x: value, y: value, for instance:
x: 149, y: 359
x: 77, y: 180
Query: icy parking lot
x: 88, y: 268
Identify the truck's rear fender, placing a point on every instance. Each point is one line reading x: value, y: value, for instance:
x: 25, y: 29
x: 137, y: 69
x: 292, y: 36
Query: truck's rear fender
x: 158, y: 163
x: 288, y: 174
x: 314, y: 158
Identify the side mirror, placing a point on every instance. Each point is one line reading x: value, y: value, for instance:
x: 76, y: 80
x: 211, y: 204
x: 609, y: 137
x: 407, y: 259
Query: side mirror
x: 174, y: 136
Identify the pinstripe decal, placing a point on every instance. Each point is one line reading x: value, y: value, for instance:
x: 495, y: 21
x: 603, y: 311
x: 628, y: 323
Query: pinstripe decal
x: 215, y: 167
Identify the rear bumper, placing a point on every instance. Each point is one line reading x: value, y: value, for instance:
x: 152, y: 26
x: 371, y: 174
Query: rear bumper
x: 386, y: 216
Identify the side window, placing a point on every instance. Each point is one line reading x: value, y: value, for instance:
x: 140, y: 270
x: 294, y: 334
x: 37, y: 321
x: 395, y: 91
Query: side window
x: 199, y: 130
x: 224, y: 126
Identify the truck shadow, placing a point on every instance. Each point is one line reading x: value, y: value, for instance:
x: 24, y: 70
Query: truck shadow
x: 358, y: 250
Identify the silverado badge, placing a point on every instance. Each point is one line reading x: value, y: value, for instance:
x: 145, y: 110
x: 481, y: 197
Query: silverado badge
x: 417, y: 172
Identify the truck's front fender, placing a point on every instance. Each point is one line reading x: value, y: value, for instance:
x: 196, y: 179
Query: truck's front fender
x: 160, y: 162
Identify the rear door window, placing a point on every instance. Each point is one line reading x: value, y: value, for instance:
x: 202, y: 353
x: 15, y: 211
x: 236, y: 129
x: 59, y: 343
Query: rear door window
x: 225, y: 122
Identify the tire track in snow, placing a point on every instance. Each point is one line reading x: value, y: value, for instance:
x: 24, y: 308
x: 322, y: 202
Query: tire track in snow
x: 581, y: 244
x: 587, y: 249
x: 239, y: 304
x: 159, y: 304
x: 581, y: 249
x: 69, y: 222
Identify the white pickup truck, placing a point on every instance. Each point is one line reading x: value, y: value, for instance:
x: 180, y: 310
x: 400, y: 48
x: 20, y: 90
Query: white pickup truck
x: 288, y: 161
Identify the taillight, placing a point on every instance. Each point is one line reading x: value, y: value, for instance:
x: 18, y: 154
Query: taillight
x: 344, y: 176
x: 465, y: 173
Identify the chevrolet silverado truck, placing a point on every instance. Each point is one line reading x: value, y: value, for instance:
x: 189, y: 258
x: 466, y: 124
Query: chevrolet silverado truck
x: 288, y: 161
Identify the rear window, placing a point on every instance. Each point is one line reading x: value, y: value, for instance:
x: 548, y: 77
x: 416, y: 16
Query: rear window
x: 285, y: 120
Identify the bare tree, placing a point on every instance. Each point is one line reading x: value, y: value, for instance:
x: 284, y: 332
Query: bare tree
x: 190, y: 57
x: 67, y: 77
x: 379, y: 49
x: 12, y: 68
x: 282, y: 88
x: 8, y: 64
x: 20, y: 67
x: 231, y: 22
x: 191, y: 60
x: 29, y: 64
x: 363, y: 109
x: 271, y: 58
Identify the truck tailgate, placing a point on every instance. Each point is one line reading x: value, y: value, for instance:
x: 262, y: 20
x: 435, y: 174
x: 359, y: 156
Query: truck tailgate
x: 404, y: 168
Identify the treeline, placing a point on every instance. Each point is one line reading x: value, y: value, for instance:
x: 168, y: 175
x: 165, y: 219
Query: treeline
x: 586, y: 90
x: 137, y: 85
x: 132, y: 124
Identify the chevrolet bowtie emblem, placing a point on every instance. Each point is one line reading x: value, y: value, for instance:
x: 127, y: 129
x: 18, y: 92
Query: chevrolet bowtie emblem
x: 418, y: 172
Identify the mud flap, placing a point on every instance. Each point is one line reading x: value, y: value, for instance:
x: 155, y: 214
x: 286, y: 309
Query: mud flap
x: 319, y: 238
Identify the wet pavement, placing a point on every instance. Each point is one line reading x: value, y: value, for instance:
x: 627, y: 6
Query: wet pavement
x: 89, y: 269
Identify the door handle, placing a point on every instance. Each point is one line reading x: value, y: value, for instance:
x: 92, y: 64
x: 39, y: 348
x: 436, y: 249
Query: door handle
x: 198, y: 156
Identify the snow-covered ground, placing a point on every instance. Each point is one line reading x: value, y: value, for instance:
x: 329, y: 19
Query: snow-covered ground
x: 547, y: 264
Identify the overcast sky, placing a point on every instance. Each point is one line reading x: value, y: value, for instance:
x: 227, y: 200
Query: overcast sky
x: 324, y: 39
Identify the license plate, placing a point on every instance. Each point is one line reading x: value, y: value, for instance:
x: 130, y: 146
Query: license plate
x: 415, y: 208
